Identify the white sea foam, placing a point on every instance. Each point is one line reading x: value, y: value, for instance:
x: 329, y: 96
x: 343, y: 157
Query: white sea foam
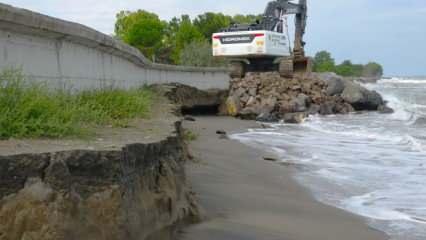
x: 400, y: 80
x: 366, y: 205
x: 371, y: 164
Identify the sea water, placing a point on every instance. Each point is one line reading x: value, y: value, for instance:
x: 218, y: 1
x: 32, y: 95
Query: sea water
x: 371, y: 164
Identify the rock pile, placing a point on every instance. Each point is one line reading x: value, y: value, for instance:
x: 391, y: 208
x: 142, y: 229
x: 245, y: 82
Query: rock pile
x: 269, y: 97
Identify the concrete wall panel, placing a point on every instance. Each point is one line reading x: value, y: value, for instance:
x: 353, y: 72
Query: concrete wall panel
x: 68, y: 54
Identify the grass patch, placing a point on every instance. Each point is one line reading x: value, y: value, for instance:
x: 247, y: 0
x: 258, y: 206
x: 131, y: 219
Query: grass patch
x: 30, y: 110
x: 189, y: 135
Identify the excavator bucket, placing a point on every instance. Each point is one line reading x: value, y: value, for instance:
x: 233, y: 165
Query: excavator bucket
x: 303, y: 65
x: 295, y: 65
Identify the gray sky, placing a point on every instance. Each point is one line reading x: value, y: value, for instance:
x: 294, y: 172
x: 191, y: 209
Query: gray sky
x: 392, y: 32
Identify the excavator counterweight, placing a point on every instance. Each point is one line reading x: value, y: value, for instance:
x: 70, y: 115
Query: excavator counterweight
x: 265, y: 45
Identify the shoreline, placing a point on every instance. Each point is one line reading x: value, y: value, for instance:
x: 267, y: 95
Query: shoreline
x: 245, y: 197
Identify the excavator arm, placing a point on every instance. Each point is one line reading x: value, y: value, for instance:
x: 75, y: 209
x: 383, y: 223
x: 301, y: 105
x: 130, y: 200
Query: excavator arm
x: 285, y: 5
x: 301, y: 18
x: 276, y: 9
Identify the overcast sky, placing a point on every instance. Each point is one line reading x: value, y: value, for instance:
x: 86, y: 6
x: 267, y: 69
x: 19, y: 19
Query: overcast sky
x: 392, y: 32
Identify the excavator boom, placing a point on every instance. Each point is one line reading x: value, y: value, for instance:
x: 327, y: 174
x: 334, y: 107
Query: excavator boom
x: 276, y: 9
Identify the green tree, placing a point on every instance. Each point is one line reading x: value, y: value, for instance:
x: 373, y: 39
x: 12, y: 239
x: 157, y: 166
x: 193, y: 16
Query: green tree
x: 141, y: 29
x: 323, y: 62
x: 345, y: 69
x: 209, y: 23
x: 186, y: 33
x: 169, y: 41
x: 199, y: 54
x: 239, y: 18
x: 372, y: 69
x: 357, y: 70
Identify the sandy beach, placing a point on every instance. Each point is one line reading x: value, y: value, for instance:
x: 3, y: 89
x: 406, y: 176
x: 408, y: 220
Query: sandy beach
x: 246, y: 197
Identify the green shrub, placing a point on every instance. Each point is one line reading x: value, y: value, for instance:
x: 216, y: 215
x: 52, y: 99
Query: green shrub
x: 323, y: 62
x: 372, y: 69
x: 31, y: 110
x: 189, y: 135
x: 115, y: 106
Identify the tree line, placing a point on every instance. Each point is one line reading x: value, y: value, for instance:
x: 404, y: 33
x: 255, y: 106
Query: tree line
x: 324, y: 62
x: 181, y: 40
x: 186, y: 41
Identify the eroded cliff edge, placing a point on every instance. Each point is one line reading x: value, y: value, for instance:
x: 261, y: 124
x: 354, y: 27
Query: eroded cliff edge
x: 131, y: 192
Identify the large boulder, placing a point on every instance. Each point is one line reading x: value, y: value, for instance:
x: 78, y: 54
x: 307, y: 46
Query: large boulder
x: 335, y: 83
x: 287, y: 107
x: 374, y: 100
x: 361, y: 98
x: 314, y: 109
x: 385, y: 109
x: 335, y: 86
x: 265, y: 112
x: 301, y: 103
x: 344, y: 108
x: 239, y: 92
x: 268, y: 117
x: 328, y: 108
x: 249, y: 113
x: 269, y: 104
x: 294, y: 118
x: 325, y: 76
x: 259, y: 111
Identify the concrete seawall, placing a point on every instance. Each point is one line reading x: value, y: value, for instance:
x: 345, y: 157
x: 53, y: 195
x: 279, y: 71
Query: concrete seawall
x: 68, y: 54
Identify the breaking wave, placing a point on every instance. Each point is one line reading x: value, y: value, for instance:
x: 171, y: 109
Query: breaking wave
x: 370, y: 164
x: 398, y: 80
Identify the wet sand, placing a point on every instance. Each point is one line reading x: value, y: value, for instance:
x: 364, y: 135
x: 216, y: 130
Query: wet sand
x: 245, y: 197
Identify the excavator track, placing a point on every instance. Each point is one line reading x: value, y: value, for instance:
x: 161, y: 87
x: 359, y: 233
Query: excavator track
x: 286, y: 68
x: 237, y: 70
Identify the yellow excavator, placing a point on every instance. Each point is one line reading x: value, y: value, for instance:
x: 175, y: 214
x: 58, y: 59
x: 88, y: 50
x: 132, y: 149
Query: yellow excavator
x: 265, y: 45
